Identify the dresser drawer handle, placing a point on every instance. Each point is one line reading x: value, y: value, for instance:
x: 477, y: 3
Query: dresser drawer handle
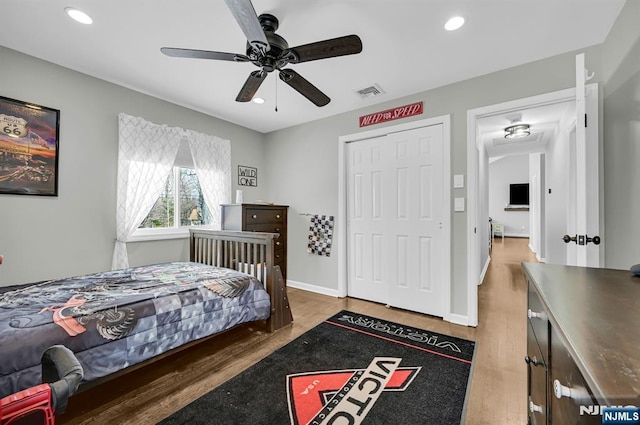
x: 277, y: 229
x: 534, y: 314
x: 254, y: 216
x: 534, y: 408
x: 576, y: 393
x: 277, y: 215
x: 277, y: 255
x: 278, y: 243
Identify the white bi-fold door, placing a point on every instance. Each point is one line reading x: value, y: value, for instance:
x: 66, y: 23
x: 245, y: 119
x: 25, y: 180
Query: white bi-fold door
x: 395, y: 209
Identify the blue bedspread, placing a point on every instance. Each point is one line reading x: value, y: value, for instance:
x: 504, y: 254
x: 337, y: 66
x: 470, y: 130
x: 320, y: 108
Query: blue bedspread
x: 116, y: 319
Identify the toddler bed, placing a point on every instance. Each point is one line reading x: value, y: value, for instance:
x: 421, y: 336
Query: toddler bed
x: 119, y: 319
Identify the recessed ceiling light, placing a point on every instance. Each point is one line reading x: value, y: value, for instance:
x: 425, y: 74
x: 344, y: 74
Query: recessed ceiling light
x: 454, y: 23
x: 78, y: 15
x: 258, y: 100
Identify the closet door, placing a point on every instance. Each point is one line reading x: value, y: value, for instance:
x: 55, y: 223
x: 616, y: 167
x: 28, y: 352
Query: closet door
x: 395, y: 212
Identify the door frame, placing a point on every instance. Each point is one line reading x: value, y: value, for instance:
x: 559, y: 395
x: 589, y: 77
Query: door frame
x: 341, y: 222
x: 474, y: 272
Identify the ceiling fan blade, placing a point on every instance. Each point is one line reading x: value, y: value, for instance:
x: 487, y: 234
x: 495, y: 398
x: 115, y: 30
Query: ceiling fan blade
x: 341, y: 46
x: 246, y: 16
x: 203, y: 54
x: 251, y: 86
x: 304, y: 87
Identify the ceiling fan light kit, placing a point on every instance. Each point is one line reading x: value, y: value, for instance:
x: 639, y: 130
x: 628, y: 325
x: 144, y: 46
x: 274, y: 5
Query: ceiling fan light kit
x: 270, y: 52
x: 516, y: 131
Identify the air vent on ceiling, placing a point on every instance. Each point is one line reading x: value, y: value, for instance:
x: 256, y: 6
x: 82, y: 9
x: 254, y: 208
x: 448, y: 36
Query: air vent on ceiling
x: 371, y: 91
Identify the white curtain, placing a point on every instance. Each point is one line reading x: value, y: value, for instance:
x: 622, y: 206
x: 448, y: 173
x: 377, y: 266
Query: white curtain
x: 146, y: 153
x: 212, y: 162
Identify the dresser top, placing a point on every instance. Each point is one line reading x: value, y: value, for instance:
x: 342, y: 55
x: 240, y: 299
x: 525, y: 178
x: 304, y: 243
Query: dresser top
x: 597, y: 312
x: 255, y: 205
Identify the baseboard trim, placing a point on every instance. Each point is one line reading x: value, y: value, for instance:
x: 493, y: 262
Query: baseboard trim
x: 313, y: 288
x: 484, y: 270
x: 515, y: 235
x: 458, y: 319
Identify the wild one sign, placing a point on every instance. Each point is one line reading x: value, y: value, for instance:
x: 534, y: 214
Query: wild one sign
x: 247, y: 176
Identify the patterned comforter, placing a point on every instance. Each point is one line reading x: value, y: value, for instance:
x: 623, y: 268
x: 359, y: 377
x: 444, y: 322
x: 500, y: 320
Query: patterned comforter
x: 115, y: 319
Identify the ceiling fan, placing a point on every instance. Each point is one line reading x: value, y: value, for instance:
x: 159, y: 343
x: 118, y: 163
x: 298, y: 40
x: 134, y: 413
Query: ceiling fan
x: 269, y: 52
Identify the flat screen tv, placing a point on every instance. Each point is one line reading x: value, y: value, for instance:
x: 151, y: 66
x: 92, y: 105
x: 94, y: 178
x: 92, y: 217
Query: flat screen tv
x: 519, y: 194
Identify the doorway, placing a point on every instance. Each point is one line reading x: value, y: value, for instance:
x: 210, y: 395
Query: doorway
x: 477, y: 158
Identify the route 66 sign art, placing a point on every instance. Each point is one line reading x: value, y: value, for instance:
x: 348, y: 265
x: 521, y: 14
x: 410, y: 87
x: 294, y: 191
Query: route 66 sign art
x: 28, y: 148
x: 12, y: 126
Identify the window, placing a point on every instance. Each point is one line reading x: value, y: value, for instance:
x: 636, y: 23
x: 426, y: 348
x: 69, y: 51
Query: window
x: 147, y: 152
x: 180, y: 204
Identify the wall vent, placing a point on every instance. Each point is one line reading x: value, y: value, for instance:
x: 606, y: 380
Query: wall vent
x: 371, y: 91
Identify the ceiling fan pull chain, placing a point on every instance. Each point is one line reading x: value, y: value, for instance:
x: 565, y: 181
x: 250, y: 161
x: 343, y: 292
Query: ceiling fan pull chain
x: 276, y: 94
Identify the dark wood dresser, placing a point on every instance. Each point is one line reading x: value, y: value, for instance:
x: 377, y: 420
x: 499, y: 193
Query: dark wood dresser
x: 260, y: 218
x: 583, y: 342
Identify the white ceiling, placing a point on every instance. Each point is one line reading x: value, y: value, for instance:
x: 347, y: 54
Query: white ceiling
x: 543, y: 122
x: 405, y: 48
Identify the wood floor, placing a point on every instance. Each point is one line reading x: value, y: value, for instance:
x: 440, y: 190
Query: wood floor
x: 498, y: 386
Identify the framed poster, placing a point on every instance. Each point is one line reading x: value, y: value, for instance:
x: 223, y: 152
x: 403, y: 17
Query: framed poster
x: 29, y: 143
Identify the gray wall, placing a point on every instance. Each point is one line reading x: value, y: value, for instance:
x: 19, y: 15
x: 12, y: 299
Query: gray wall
x: 302, y: 161
x: 621, y: 63
x: 51, y: 237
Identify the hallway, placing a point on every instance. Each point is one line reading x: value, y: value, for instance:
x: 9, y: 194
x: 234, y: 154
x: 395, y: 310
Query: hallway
x: 498, y: 389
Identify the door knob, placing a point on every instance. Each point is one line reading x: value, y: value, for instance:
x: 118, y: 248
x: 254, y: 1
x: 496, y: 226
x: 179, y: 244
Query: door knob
x: 581, y: 239
x: 595, y: 240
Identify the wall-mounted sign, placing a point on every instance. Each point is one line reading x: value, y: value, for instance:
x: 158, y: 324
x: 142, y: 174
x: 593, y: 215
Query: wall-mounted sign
x: 247, y: 176
x: 391, y: 114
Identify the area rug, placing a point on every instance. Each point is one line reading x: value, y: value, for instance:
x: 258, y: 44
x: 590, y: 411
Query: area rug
x: 350, y: 369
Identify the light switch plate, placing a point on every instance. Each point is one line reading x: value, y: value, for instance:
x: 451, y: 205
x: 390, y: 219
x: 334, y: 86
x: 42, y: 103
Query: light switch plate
x: 458, y: 181
x: 458, y: 204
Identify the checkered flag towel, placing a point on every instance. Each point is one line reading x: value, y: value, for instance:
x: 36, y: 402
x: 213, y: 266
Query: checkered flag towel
x: 320, y: 233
